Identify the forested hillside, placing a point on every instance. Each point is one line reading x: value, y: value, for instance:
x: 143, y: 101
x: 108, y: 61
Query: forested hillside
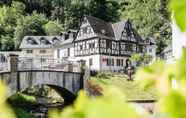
x: 49, y: 17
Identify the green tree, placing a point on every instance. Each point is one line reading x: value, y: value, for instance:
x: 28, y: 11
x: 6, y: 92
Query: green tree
x: 70, y: 12
x: 8, y: 19
x: 150, y: 18
x: 29, y: 25
x: 53, y: 28
x: 7, y: 43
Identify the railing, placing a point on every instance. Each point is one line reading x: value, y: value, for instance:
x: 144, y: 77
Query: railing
x: 47, y: 64
x: 4, y: 66
x: 42, y: 64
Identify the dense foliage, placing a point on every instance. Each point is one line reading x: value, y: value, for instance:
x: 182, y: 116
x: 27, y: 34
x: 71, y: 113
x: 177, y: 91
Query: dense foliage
x: 150, y: 18
x: 49, y: 17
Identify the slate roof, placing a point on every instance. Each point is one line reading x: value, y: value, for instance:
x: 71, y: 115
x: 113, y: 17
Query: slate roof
x: 69, y: 40
x: 111, y: 30
x: 100, y: 26
x: 120, y: 26
x: 40, y: 41
x: 65, y: 42
x: 118, y: 29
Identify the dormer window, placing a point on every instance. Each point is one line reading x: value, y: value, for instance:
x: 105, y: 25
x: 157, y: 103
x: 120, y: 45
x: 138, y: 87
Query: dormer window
x: 44, y: 41
x: 55, y: 40
x: 66, y: 36
x: 31, y: 41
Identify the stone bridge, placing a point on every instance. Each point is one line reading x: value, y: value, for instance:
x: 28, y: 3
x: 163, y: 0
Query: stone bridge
x: 66, y: 83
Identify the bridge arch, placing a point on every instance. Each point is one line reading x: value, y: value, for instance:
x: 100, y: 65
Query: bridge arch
x: 67, y: 95
x: 67, y: 84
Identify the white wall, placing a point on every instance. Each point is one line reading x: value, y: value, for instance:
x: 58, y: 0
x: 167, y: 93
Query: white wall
x: 98, y: 63
x: 115, y: 67
x: 37, y: 54
x: 178, y: 41
x: 95, y: 61
x: 63, y: 52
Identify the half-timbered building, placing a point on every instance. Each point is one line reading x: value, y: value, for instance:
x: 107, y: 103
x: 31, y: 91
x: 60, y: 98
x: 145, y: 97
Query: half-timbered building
x: 106, y: 46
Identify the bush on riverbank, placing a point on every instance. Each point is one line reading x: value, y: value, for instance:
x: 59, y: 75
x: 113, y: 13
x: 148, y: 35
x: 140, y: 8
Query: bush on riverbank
x: 21, y: 98
x: 22, y: 113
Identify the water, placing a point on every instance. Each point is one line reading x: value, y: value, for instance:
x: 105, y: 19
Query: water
x: 41, y: 108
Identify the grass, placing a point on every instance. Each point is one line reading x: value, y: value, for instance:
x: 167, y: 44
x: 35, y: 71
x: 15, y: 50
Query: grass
x: 131, y: 89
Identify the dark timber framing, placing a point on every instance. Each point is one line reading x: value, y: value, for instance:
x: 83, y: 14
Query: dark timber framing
x: 104, y: 41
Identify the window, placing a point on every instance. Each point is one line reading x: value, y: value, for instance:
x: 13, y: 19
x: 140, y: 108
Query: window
x: 103, y: 43
x: 84, y: 30
x: 113, y: 45
x: 66, y: 36
x: 91, y: 45
x: 55, y: 40
x: 29, y: 51
x: 118, y: 62
x: 108, y: 62
x: 150, y: 50
x: 81, y: 47
x: 31, y: 41
x: 90, y: 62
x: 141, y: 49
x: 129, y: 48
x: 122, y: 46
x: 44, y: 41
x: 109, y: 44
x: 43, y: 60
x: 121, y: 62
x: 123, y: 35
x: 58, y: 53
x: 89, y: 30
x: 42, y: 51
x: 68, y: 51
x: 112, y: 62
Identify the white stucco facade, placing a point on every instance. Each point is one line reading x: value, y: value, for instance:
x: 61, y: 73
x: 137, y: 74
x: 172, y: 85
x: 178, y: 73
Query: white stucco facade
x: 99, y: 63
x: 66, y: 52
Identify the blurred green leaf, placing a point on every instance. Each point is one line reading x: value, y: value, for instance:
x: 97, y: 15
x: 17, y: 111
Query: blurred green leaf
x: 111, y: 105
x: 5, y: 111
x: 179, y: 11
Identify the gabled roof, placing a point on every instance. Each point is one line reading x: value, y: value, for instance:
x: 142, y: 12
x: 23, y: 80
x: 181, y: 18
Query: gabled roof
x: 65, y: 42
x: 40, y: 41
x: 100, y: 27
x: 119, y: 27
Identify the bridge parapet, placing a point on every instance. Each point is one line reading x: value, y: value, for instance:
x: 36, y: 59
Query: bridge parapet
x: 48, y: 64
x: 16, y: 63
x: 66, y: 78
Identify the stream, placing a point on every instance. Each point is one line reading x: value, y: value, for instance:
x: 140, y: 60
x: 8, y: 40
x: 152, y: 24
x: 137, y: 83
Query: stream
x: 41, y: 108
